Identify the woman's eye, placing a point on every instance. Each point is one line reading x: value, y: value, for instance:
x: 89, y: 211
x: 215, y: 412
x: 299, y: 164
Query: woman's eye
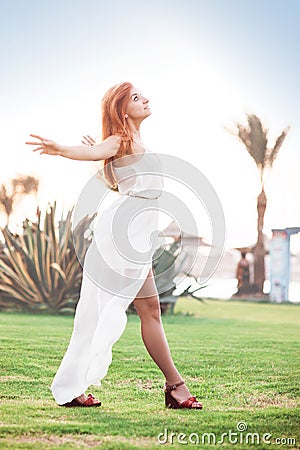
x: 135, y: 98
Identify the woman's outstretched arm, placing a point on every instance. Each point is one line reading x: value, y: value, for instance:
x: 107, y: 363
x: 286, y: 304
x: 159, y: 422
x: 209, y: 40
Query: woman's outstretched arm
x: 106, y: 149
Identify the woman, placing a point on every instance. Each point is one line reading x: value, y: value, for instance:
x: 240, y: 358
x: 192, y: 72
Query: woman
x: 100, y: 316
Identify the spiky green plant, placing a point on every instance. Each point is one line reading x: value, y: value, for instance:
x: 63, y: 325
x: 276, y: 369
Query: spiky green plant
x: 39, y: 269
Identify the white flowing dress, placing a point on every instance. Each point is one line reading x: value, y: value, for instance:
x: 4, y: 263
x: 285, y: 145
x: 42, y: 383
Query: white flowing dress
x: 115, y: 272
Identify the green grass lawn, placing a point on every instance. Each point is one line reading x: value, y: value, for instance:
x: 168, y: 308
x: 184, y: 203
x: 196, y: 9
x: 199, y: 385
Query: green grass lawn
x: 240, y: 359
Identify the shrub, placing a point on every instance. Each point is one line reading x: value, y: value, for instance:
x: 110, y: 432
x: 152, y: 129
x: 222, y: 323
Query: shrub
x: 39, y: 270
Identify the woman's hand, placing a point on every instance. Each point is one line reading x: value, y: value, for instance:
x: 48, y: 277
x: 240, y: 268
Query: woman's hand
x: 106, y: 149
x: 46, y: 145
x: 88, y: 140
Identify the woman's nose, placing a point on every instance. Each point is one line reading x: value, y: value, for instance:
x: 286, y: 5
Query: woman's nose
x: 146, y: 100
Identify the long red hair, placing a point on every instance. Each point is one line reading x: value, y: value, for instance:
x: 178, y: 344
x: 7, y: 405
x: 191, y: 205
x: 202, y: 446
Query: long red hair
x: 114, y: 104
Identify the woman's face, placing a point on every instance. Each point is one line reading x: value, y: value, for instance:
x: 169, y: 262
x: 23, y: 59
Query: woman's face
x: 137, y: 108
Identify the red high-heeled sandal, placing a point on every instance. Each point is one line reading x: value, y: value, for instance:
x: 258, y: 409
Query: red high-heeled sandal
x: 90, y: 401
x: 172, y: 403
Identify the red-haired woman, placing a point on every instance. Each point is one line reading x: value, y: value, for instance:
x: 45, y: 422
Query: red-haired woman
x: 100, y: 316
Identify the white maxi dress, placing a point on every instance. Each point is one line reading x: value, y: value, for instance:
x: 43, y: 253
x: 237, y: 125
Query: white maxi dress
x: 115, y: 272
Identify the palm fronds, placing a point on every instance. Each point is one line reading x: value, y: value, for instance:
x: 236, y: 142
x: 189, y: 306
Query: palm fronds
x: 255, y: 139
x: 17, y: 188
x: 273, y: 152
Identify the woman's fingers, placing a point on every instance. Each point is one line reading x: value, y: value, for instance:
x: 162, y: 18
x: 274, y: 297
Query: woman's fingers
x: 88, y: 140
x: 39, y: 144
x: 45, y: 146
x: 38, y: 137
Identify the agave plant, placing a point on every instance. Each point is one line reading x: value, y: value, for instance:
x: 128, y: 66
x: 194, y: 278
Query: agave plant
x: 39, y: 270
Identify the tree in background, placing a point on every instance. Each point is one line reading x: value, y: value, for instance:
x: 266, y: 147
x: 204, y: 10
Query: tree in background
x: 19, y: 188
x: 255, y: 138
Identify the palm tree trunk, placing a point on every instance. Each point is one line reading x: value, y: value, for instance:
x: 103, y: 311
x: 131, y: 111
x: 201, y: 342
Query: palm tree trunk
x: 259, y: 252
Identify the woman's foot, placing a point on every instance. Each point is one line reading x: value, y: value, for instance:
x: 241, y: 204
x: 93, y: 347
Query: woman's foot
x: 83, y: 401
x: 181, y: 398
x: 181, y: 393
x: 82, y: 398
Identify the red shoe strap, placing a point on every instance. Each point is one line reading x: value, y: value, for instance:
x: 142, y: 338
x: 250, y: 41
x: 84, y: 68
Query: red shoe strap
x: 90, y: 400
x: 171, y: 387
x: 189, y: 402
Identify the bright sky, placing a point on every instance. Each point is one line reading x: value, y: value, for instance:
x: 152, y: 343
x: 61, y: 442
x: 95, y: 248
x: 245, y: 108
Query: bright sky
x: 203, y: 64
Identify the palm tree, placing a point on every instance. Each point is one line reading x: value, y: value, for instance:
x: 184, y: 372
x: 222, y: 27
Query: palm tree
x: 20, y: 186
x: 255, y: 138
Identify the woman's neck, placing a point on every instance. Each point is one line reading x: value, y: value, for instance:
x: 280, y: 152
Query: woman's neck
x: 137, y: 133
x: 137, y: 136
x: 134, y: 127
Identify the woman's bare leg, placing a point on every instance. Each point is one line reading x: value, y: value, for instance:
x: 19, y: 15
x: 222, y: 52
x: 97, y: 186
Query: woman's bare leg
x: 154, y: 337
